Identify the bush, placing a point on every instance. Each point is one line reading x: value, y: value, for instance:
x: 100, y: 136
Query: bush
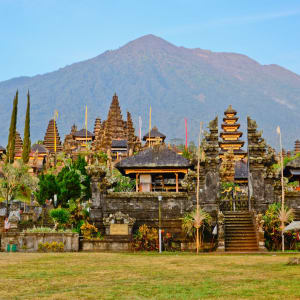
x: 146, y: 239
x: 51, y: 247
x: 88, y: 230
x: 60, y: 216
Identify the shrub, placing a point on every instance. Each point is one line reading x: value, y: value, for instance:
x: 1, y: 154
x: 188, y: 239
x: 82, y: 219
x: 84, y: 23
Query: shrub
x: 88, y: 230
x: 146, y: 239
x: 60, y: 216
x: 51, y: 247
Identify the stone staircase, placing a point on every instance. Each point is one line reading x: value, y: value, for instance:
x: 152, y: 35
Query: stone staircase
x: 297, y: 214
x: 240, y: 234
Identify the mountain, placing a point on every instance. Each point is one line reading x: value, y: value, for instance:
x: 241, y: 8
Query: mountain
x: 177, y: 82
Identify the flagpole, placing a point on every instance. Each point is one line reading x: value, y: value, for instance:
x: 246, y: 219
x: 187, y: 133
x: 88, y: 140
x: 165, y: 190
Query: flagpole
x: 282, y: 186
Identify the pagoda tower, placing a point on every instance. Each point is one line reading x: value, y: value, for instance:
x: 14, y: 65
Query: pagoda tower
x: 18, y: 143
x: 231, y: 136
x: 97, y: 127
x: 52, y: 133
x: 297, y: 147
x: 114, y: 126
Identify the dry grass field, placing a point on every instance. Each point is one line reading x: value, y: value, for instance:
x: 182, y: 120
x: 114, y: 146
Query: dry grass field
x: 147, y: 276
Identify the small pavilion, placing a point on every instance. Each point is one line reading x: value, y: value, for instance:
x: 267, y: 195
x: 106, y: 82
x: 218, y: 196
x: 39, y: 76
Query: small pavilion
x: 154, y: 137
x: 156, y: 168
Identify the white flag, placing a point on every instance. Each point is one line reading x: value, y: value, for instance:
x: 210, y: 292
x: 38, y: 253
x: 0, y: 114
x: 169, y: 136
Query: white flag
x: 278, y: 129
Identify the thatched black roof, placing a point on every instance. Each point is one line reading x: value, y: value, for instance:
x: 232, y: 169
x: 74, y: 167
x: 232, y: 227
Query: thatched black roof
x: 241, y: 170
x: 156, y: 157
x: 39, y: 148
x: 154, y: 133
x: 119, y: 143
x: 82, y: 133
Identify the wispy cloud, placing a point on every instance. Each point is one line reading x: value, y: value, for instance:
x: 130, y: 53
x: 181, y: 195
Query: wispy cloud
x: 254, y: 18
x: 235, y: 20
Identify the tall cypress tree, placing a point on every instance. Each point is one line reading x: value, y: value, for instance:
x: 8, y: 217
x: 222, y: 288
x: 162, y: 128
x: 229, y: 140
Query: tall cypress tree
x: 27, y: 142
x: 12, y: 131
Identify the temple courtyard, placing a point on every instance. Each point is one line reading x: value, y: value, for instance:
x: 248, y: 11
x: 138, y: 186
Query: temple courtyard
x: 148, y: 276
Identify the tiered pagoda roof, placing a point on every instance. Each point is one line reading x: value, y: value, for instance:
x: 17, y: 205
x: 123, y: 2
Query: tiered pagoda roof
x: 97, y: 127
x: 297, y: 146
x: 18, y: 143
x: 230, y: 135
x: 50, y: 135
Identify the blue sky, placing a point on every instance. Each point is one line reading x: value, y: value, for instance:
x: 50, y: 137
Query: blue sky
x: 39, y: 36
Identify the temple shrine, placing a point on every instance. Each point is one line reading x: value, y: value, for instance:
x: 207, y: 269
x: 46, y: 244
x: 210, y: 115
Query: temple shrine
x: 18, y: 146
x: 52, y: 138
x: 114, y: 134
x: 297, y: 147
x: 231, y: 136
x: 154, y: 137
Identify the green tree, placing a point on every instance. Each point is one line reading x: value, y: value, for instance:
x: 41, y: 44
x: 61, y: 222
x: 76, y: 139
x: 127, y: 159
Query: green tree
x: 69, y: 185
x: 47, y: 188
x: 12, y: 131
x: 85, y: 180
x: 27, y: 142
x: 16, y: 182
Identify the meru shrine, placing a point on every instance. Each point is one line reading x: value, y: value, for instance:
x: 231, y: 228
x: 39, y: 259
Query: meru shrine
x: 236, y: 184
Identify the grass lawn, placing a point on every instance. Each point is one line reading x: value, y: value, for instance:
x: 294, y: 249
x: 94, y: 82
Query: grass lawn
x: 147, y: 276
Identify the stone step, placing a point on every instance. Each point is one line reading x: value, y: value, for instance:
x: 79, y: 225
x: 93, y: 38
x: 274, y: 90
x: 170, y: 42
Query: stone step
x: 240, y: 237
x: 238, y: 222
x: 240, y: 242
x: 242, y: 250
x: 236, y: 213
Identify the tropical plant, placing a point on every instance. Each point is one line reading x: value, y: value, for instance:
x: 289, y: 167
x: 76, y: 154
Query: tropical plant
x: 79, y: 214
x: 193, y: 220
x: 272, y: 225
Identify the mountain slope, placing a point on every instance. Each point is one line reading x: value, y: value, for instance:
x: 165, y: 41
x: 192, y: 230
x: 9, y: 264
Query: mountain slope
x: 177, y: 82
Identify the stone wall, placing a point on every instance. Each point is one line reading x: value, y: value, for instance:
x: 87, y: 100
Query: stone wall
x: 109, y: 243
x: 28, y: 242
x: 144, y: 208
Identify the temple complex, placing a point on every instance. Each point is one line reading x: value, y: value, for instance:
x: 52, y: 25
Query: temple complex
x: 52, y: 139
x: 230, y: 135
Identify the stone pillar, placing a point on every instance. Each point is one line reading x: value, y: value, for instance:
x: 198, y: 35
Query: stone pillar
x: 221, y: 231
